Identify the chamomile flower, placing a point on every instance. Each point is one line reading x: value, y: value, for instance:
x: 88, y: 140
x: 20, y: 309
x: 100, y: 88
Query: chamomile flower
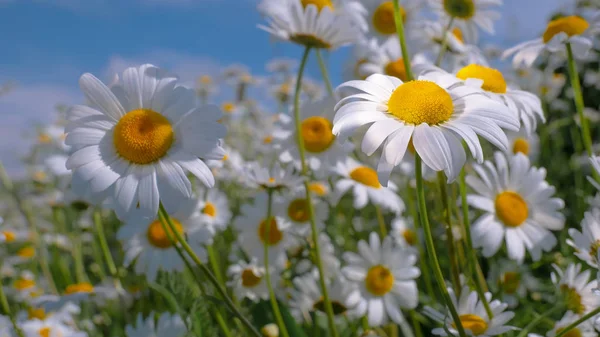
x: 576, y: 287
x: 584, y: 329
x: 468, y: 15
x: 49, y: 328
x: 359, y: 56
x: 214, y: 209
x: 25, y: 287
x: 148, y: 246
x: 385, y: 275
x: 312, y: 23
x: 365, y: 186
x: 277, y: 177
x: 429, y: 36
x: 512, y: 281
x: 322, y: 148
x: 572, y: 30
x: 387, y: 59
x: 380, y: 16
x: 76, y: 293
x: 248, y: 279
x: 293, y: 207
x: 434, y: 113
x: 167, y: 325
x: 523, y: 142
x: 473, y: 316
x: 133, y: 143
x: 518, y: 207
x: 404, y: 233
x: 587, y: 241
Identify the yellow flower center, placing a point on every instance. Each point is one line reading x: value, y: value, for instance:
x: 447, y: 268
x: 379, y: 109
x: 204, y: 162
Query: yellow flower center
x: 268, y: 140
x: 571, y: 25
x: 338, y: 308
x: 210, y: 209
x: 250, y: 279
x: 521, y: 145
x: 575, y: 332
x: 23, y: 284
x: 157, y: 235
x: 493, y: 80
x: 458, y: 34
x: 83, y: 287
x: 143, y: 136
x: 9, y: 236
x: 462, y: 9
x: 275, y: 235
x: 310, y: 40
x: 594, y: 248
x: 476, y: 324
x: 44, y: 332
x: 228, y: 107
x: 366, y: 176
x: 396, y: 68
x: 572, y: 299
x: 510, y: 282
x: 44, y: 138
x: 205, y: 79
x: 511, y: 209
x: 39, y: 175
x: 298, y: 210
x: 418, y: 102
x: 317, y: 135
x: 38, y: 313
x: 319, y: 3
x: 383, y: 18
x: 318, y: 188
x: 26, y: 252
x: 410, y: 236
x: 379, y: 280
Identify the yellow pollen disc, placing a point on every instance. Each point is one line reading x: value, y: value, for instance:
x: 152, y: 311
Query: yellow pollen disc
x: 249, y: 279
x: 462, y: 9
x: 228, y: 107
x: 493, y: 80
x: 44, y: 332
x: 571, y: 25
x: 366, y: 176
x: 284, y: 88
x: 157, y: 235
x: 38, y: 313
x: 26, y: 252
x: 23, y: 284
x: 271, y: 180
x: 594, y: 248
x: 318, y: 188
x: 521, y: 145
x: 319, y: 3
x: 298, y: 210
x: 9, y: 236
x: 317, y: 135
x: 275, y: 235
x: 79, y: 288
x: 143, y: 136
x: 205, y: 79
x: 418, y: 102
x: 511, y: 209
x: 575, y: 332
x: 396, y: 69
x: 39, y: 176
x: 572, y: 299
x: 338, y: 308
x: 383, y: 18
x: 310, y: 40
x: 44, y: 138
x: 379, y: 280
x: 225, y: 157
x: 410, y: 236
x: 268, y: 140
x: 510, y: 282
x: 458, y: 34
x: 210, y: 209
x: 474, y: 323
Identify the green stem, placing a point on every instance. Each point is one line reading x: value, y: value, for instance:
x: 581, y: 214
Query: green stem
x: 311, y: 212
x: 272, y: 297
x: 214, y: 262
x: 437, y: 272
x: 324, y: 73
x: 400, y: 31
x: 537, y: 320
x: 80, y: 274
x: 473, y: 262
x: 112, y: 268
x: 7, y: 311
x: 381, y: 221
x: 440, y: 56
x: 207, y: 272
x: 579, y: 321
x: 578, y: 98
x: 454, y: 269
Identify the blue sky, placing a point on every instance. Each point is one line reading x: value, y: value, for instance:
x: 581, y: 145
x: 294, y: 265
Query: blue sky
x: 48, y: 44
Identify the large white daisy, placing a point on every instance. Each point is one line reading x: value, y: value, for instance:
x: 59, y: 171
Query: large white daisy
x: 134, y: 142
x: 518, y: 206
x: 469, y: 15
x: 434, y: 113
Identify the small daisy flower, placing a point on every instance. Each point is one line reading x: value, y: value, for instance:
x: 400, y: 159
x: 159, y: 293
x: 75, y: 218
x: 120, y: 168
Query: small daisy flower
x: 359, y: 56
x: 385, y: 275
x: 473, y: 316
x: 77, y: 293
x: 518, y: 206
x: 214, y: 209
x: 248, y: 280
x: 404, y: 233
x: 365, y: 186
x: 587, y: 241
x: 25, y: 287
x: 523, y: 142
x: 584, y: 329
x: 573, y: 30
x: 387, y: 60
x: 281, y: 65
x: 49, y: 328
x: 512, y: 281
x: 380, y: 16
x: 135, y: 141
x: 294, y: 208
x: 277, y: 177
x: 167, y: 326
x: 147, y: 244
x: 576, y: 287
x: 469, y: 15
x: 434, y: 113
x: 15, y: 235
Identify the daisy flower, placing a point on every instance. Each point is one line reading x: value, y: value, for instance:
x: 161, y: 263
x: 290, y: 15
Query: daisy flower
x: 512, y: 281
x: 387, y: 59
x: 473, y: 316
x: 385, y: 275
x: 434, y: 113
x: 365, y: 186
x: 312, y: 23
x: 147, y: 244
x: 576, y: 287
x: 518, y: 206
x: 167, y: 326
x: 468, y: 15
x: 380, y: 16
x: 587, y: 241
x: 214, y: 209
x: 322, y: 149
x: 76, y: 293
x: 133, y: 142
x: 359, y: 56
x: 404, y: 233
x: 248, y: 279
x: 523, y: 142
x: 25, y: 287
x: 293, y: 207
x: 277, y: 177
x: 571, y: 30
x: 49, y: 328
x: 584, y: 329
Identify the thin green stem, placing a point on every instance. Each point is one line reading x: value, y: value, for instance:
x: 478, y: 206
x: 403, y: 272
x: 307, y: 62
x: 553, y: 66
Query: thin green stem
x: 578, y: 98
x: 471, y: 254
x: 437, y: 272
x: 444, y: 46
x: 181, y: 240
x: 579, y: 321
x: 266, y: 244
x: 400, y: 32
x: 7, y: 311
x: 324, y: 73
x: 381, y: 221
x: 214, y: 262
x: 112, y: 268
x: 537, y: 320
x: 454, y: 269
x: 311, y: 212
x: 80, y: 274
